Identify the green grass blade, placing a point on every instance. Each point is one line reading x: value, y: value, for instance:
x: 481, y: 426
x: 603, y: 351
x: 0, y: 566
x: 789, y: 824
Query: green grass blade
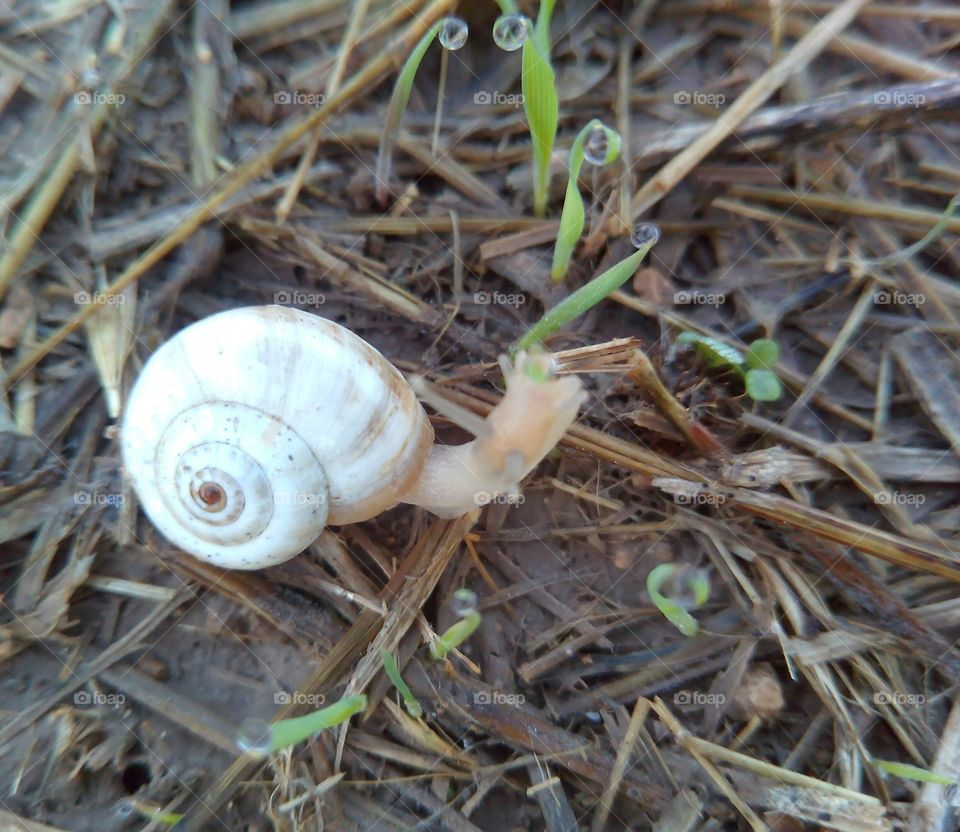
x: 395, y: 110
x: 540, y: 103
x: 542, y: 29
x: 456, y: 635
x: 262, y: 738
x: 911, y: 772
x: 587, y: 296
x: 414, y: 708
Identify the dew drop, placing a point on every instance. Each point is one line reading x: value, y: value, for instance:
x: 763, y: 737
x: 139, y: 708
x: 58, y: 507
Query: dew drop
x: 596, y: 145
x: 510, y: 31
x: 645, y: 234
x: 464, y: 602
x: 453, y: 33
x: 255, y: 736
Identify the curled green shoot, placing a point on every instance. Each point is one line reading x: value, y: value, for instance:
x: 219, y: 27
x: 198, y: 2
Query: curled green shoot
x: 414, y: 708
x: 694, y: 582
x: 755, y: 368
x: 644, y: 237
x: 452, y: 32
x: 540, y: 103
x: 599, y: 145
x: 260, y: 738
x: 465, y: 604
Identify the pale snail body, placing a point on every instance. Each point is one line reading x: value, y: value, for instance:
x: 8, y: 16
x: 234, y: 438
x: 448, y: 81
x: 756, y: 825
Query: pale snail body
x: 251, y: 430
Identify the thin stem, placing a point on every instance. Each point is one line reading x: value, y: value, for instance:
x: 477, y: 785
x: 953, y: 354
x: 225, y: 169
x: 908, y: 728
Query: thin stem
x: 395, y: 110
x: 414, y: 708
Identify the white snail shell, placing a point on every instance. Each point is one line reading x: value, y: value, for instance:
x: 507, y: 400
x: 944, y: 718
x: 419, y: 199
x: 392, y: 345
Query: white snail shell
x: 251, y: 430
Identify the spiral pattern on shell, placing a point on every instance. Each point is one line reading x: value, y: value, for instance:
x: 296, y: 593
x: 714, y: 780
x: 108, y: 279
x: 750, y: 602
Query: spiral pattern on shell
x: 249, y: 431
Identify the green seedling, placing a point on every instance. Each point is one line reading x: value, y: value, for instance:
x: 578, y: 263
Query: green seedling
x: 694, y: 586
x: 598, y: 145
x: 452, y: 32
x: 755, y: 368
x: 410, y: 702
x: 910, y: 772
x: 644, y: 237
x: 540, y: 103
x: 260, y: 738
x: 465, y: 605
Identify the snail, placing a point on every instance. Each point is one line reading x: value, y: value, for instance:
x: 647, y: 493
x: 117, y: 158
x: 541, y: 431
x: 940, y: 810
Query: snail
x: 250, y: 431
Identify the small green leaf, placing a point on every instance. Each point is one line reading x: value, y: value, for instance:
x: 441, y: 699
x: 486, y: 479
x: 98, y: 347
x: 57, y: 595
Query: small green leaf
x: 716, y: 353
x: 763, y: 353
x: 763, y: 385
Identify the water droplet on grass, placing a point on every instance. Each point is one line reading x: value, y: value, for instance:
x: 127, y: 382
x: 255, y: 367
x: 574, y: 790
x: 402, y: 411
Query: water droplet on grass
x: 596, y: 145
x: 645, y: 234
x: 510, y: 31
x: 453, y: 33
x: 255, y: 736
x: 464, y: 602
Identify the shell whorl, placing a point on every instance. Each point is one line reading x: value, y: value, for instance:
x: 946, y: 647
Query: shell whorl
x: 250, y: 430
